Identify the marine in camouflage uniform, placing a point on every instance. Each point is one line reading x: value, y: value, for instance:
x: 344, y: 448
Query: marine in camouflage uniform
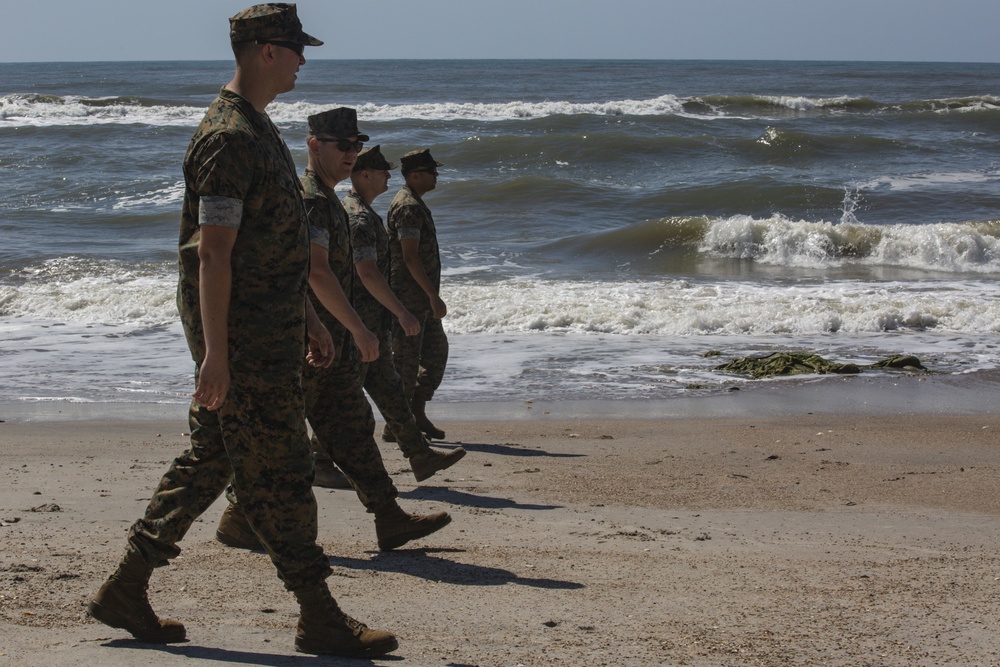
x: 416, y: 280
x: 336, y: 406
x: 338, y: 411
x: 244, y: 252
x: 376, y: 303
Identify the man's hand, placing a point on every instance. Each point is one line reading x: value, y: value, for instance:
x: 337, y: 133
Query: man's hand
x: 321, y: 350
x: 409, y: 323
x: 367, y: 343
x: 438, y: 308
x: 213, y: 382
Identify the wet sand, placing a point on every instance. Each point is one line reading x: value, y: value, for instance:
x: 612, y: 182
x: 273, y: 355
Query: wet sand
x: 846, y: 522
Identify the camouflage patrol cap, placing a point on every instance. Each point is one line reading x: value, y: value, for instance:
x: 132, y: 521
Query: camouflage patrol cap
x: 372, y: 158
x: 340, y: 122
x: 420, y: 159
x: 272, y: 21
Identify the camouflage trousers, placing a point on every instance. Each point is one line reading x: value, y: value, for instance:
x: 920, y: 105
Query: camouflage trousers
x: 383, y: 384
x: 421, y: 359
x: 344, y: 427
x: 258, y: 442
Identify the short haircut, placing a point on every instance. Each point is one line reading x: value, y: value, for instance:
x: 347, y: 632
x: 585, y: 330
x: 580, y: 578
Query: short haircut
x: 242, y: 49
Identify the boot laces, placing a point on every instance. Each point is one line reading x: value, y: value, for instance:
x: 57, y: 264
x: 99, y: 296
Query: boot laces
x: 356, y: 626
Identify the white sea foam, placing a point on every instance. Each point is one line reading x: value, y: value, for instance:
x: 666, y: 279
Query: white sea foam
x: 779, y: 241
x: 966, y: 105
x: 683, y: 308
x: 115, y: 337
x: 88, y: 291
x: 42, y: 111
x: 171, y: 195
x: 32, y: 110
x: 76, y: 291
x: 799, y: 103
x: 928, y: 181
x: 36, y: 110
x: 663, y: 105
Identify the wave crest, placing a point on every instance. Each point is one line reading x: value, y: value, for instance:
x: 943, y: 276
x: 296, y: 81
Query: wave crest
x: 944, y: 247
x: 38, y: 110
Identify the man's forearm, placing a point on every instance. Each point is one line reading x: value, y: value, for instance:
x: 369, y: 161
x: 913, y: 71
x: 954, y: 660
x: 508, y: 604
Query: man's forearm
x: 215, y: 290
x: 375, y: 283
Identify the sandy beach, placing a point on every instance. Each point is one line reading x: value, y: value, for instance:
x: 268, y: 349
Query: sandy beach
x: 836, y: 523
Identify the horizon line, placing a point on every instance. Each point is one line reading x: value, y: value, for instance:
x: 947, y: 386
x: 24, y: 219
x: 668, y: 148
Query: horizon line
x: 549, y: 59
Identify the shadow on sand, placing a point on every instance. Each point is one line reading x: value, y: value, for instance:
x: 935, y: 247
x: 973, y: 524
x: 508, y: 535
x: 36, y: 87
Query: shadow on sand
x: 423, y: 563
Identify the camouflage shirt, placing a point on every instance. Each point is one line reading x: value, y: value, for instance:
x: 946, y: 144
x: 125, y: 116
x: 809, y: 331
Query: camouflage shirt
x: 328, y: 228
x: 238, y: 154
x: 409, y: 218
x: 370, y: 241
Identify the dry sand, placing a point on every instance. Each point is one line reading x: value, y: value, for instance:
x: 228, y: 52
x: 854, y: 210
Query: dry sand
x: 796, y: 537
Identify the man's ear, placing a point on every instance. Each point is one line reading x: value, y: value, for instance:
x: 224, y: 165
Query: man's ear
x: 267, y: 52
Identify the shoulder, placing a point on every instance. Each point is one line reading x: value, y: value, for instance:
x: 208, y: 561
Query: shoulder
x: 353, y: 204
x: 405, y: 205
x: 311, y: 187
x: 404, y: 198
x: 226, y: 116
x: 224, y: 131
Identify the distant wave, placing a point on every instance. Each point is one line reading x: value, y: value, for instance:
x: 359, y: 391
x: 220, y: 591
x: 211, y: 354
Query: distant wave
x: 52, y: 110
x: 944, y: 247
x: 766, y: 104
x: 952, y: 248
x: 39, y: 110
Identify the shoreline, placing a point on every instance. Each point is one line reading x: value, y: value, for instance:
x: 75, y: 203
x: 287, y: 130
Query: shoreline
x: 885, y: 393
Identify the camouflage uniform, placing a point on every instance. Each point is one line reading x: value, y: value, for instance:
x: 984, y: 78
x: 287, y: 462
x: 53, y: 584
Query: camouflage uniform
x: 421, y: 359
x: 258, y: 437
x: 370, y: 241
x: 336, y: 405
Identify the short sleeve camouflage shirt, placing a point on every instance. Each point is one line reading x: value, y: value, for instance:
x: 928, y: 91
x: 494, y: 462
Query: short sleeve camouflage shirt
x: 238, y: 154
x: 409, y: 217
x: 328, y: 227
x: 369, y: 241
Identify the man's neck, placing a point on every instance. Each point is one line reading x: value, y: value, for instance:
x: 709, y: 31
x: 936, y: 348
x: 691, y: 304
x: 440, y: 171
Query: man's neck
x: 366, y: 195
x: 258, y: 95
x: 415, y: 190
x: 329, y: 180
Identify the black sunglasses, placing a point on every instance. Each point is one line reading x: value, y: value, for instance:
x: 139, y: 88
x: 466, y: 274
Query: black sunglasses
x: 298, y: 48
x: 344, y: 145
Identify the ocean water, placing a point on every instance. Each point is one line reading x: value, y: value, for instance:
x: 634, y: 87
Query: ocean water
x: 604, y: 224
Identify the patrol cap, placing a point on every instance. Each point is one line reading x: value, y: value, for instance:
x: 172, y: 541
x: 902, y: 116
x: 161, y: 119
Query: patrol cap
x: 372, y: 158
x: 272, y: 21
x: 420, y: 159
x: 341, y: 122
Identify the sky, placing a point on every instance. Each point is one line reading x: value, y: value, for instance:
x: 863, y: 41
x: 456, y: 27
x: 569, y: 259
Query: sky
x: 894, y: 30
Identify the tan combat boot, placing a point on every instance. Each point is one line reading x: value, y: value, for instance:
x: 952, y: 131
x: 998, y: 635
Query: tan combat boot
x: 394, y: 527
x: 427, y: 462
x: 234, y: 530
x: 419, y: 406
x: 324, y: 629
x: 122, y: 603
